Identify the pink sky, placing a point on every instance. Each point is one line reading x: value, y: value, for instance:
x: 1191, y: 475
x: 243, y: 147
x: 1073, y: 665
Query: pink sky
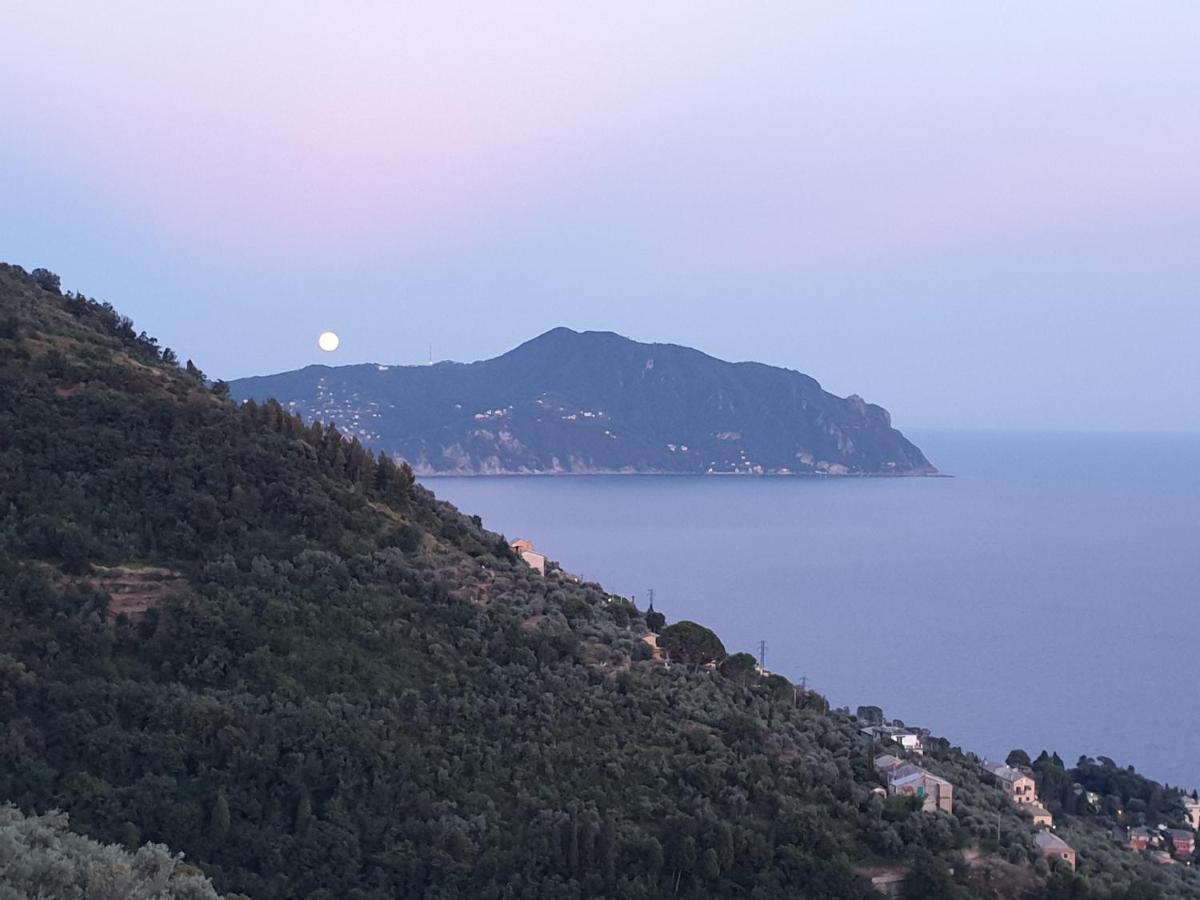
x: 650, y: 168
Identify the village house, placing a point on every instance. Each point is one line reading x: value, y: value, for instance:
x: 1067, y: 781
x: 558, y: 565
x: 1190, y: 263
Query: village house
x: 888, y: 881
x: 1183, y: 843
x: 1191, y: 809
x: 1021, y: 787
x: 1139, y: 839
x: 907, y: 738
x: 886, y: 764
x: 903, y: 779
x: 913, y: 781
x: 1051, y: 846
x: 526, y: 551
x: 1041, y: 816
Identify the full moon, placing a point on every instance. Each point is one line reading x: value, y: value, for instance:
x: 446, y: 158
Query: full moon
x: 328, y: 341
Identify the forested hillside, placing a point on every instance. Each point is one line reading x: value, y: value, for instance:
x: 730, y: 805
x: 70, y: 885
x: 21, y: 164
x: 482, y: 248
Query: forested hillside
x: 259, y: 644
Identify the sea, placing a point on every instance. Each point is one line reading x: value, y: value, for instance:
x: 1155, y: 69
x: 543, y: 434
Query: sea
x: 1046, y: 596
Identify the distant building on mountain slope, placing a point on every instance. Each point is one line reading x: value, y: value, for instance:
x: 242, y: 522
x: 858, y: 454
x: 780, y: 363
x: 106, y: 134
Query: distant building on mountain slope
x: 1191, y: 809
x: 1051, y: 846
x: 1139, y: 839
x: 1183, y: 842
x: 528, y: 552
x: 907, y: 738
x: 903, y: 779
x: 935, y: 792
x: 1021, y: 788
x: 1041, y: 816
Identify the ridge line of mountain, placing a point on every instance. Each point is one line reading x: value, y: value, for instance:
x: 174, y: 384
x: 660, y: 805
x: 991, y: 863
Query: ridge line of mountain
x: 596, y: 402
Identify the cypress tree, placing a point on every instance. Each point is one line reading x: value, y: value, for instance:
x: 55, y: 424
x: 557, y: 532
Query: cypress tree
x: 218, y: 823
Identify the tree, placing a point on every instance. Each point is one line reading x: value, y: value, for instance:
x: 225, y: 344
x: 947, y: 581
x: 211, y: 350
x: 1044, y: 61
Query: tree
x: 740, y: 666
x: 689, y: 643
x: 655, y: 620
x: 929, y: 880
x: 655, y: 858
x: 303, y: 814
x: 131, y: 838
x: 218, y: 822
x: 47, y: 280
x: 1017, y: 759
x: 869, y: 715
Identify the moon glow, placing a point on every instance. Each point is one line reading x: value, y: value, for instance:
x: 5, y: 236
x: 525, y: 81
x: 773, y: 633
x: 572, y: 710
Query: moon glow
x: 328, y: 341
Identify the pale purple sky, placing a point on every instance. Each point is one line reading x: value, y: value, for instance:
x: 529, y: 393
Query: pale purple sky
x: 976, y: 215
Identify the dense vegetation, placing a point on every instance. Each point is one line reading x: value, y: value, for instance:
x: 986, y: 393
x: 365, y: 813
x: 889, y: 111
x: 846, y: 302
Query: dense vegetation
x: 40, y: 857
x: 253, y: 641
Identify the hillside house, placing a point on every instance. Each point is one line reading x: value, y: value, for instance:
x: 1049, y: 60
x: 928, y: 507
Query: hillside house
x: 1051, y: 846
x: 1191, y: 809
x: 907, y: 738
x: 1183, y: 843
x: 1041, y: 816
x: 1139, y: 839
x: 888, y: 881
x: 886, y: 764
x: 1020, y: 787
x: 526, y: 551
x: 906, y: 780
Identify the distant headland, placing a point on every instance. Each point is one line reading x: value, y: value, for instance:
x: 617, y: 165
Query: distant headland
x: 593, y: 402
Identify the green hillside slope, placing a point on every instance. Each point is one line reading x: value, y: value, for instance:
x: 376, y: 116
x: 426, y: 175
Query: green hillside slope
x: 255, y: 642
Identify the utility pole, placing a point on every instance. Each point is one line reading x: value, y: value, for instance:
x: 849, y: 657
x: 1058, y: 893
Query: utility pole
x: 650, y: 593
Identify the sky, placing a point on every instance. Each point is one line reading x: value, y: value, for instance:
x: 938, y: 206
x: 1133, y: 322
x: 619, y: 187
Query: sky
x: 976, y: 215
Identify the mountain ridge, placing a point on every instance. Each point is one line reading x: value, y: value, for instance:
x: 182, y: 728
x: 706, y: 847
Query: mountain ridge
x: 570, y: 402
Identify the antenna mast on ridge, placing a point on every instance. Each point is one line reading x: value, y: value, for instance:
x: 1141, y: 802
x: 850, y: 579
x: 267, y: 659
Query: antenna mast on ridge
x: 762, y: 655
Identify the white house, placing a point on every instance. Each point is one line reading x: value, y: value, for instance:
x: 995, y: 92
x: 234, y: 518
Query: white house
x: 527, y: 552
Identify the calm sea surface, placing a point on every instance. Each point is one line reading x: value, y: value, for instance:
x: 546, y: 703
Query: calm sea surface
x: 1047, y: 596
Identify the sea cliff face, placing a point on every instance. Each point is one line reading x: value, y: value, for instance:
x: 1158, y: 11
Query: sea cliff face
x: 598, y: 403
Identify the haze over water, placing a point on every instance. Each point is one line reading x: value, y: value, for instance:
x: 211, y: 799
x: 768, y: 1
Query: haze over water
x: 1048, y: 596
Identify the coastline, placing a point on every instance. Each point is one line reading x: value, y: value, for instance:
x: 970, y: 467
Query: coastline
x: 519, y: 473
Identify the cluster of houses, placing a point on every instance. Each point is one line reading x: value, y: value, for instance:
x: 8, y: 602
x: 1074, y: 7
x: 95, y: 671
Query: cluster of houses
x: 1021, y: 789
x: 905, y: 779
x: 900, y: 777
x: 1163, y: 844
